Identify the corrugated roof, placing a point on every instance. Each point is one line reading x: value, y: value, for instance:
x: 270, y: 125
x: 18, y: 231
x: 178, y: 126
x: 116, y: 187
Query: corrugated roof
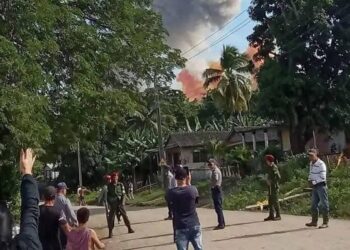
x: 193, y: 139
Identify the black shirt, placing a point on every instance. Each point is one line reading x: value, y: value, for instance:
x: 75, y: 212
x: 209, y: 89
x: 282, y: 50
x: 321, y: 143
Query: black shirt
x: 183, y: 201
x: 49, y: 222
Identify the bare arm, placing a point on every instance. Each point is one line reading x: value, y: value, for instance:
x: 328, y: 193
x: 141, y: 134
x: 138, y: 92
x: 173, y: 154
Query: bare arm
x: 96, y: 241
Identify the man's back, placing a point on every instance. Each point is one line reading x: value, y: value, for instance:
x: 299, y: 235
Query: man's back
x: 183, y: 200
x: 63, y: 204
x: 49, y: 222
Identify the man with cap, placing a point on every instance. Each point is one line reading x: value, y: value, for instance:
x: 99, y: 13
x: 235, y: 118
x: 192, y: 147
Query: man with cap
x: 50, y: 221
x: 273, y: 177
x: 216, y: 192
x: 115, y: 197
x: 183, y: 199
x: 318, y: 182
x: 63, y: 204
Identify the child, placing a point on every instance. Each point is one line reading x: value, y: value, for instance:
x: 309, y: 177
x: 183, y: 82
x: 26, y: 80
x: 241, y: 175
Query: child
x: 82, y: 237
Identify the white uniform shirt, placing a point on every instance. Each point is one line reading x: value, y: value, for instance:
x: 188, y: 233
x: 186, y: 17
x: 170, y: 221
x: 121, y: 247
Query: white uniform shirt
x: 318, y: 172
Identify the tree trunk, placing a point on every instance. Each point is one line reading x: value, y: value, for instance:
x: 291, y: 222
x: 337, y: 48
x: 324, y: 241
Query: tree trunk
x: 296, y: 141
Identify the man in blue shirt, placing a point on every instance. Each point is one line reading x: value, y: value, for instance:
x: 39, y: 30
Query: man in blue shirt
x: 183, y: 199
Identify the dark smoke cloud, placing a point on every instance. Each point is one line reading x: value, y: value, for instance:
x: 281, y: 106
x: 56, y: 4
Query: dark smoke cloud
x: 189, y: 21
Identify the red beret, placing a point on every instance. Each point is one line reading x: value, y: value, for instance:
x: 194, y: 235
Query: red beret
x: 114, y: 174
x: 269, y: 158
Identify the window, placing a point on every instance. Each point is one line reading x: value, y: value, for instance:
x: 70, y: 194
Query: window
x: 200, y: 155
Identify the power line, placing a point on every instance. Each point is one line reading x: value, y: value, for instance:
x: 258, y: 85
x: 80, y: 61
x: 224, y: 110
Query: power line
x: 214, y: 33
x: 222, y: 38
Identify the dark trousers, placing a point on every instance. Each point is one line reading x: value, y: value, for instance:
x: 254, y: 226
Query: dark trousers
x: 274, y: 205
x: 170, y: 210
x: 115, y: 208
x: 63, y: 239
x: 216, y: 194
x: 319, y: 197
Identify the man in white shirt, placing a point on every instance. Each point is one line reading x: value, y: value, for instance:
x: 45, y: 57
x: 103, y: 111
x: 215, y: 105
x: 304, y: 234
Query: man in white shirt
x: 318, y: 182
x: 171, y: 184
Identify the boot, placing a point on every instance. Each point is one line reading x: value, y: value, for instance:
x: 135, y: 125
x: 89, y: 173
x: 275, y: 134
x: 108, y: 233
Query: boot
x: 271, y: 216
x: 278, y: 213
x: 313, y: 222
x: 130, y: 230
x: 325, y: 221
x: 110, y: 235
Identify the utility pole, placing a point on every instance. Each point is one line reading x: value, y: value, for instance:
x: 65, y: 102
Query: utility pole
x: 160, y: 134
x: 79, y: 166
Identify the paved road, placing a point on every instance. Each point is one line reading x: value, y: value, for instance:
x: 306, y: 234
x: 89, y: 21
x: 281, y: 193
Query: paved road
x: 244, y: 230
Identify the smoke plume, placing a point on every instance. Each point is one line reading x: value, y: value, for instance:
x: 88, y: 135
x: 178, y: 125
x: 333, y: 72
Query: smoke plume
x: 192, y: 86
x: 189, y: 21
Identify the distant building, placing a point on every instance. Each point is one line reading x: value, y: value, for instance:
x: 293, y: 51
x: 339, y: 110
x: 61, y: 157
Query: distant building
x: 189, y: 148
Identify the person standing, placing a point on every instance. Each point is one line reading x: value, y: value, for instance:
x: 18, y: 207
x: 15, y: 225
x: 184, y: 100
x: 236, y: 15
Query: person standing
x: 28, y: 238
x: 216, y: 192
x: 318, y: 182
x: 63, y: 205
x: 115, y: 197
x: 130, y: 186
x: 103, y: 194
x: 273, y: 178
x: 81, y: 195
x: 170, y: 185
x: 50, y: 221
x: 183, y: 199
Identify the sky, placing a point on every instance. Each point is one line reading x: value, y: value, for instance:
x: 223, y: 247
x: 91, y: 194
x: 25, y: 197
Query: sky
x: 189, y: 22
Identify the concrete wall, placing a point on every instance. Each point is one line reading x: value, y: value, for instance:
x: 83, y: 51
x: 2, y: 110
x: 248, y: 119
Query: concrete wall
x: 285, y: 137
x: 324, y: 142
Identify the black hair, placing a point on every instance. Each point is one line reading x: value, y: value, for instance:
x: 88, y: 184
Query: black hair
x: 6, y: 223
x: 83, y: 215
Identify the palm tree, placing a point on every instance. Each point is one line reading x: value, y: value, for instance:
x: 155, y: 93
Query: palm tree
x: 234, y: 88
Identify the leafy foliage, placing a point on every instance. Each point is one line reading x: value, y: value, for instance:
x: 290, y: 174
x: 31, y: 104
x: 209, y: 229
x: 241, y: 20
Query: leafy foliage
x: 305, y: 77
x: 71, y: 71
x: 233, y: 92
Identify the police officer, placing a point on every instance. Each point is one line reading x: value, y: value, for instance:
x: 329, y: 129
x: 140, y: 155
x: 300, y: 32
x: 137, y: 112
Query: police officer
x: 115, y: 197
x: 272, y: 182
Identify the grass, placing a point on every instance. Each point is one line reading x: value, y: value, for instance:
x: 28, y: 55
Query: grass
x: 249, y: 191
x: 146, y: 198
x: 90, y: 198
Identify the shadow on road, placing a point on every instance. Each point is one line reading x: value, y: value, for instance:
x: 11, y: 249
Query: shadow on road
x: 145, y: 222
x: 148, y: 237
x: 152, y: 246
x: 266, y: 234
x: 233, y: 225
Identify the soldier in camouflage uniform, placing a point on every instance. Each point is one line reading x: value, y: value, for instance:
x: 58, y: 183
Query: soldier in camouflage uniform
x: 115, y: 197
x: 273, y: 185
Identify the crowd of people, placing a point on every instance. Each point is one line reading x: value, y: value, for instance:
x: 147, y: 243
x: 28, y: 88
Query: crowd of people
x: 182, y: 198
x: 51, y: 226
x: 55, y: 226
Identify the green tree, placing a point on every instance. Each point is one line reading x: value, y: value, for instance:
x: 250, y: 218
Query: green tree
x: 72, y: 70
x: 305, y: 77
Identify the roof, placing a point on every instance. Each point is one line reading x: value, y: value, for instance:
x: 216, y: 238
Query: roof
x: 195, y: 139
x: 272, y: 132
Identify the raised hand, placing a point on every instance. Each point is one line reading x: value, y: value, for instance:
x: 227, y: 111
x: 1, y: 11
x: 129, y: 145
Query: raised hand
x: 26, y: 161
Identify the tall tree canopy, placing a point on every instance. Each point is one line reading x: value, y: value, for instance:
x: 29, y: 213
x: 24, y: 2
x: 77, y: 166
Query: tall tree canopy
x: 305, y: 77
x: 71, y: 70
